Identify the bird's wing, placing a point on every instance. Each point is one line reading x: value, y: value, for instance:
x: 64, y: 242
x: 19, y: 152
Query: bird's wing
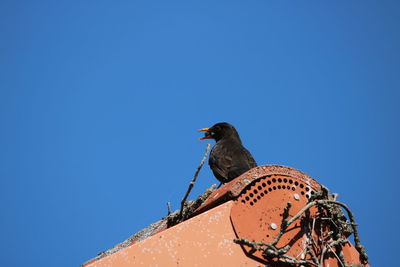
x: 242, y: 162
x: 220, y: 165
x: 252, y: 163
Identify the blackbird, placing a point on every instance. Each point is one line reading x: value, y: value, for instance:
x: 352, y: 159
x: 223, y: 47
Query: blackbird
x: 228, y: 158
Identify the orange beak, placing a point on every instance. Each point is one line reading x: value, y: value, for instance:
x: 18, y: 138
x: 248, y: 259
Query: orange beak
x: 204, y: 130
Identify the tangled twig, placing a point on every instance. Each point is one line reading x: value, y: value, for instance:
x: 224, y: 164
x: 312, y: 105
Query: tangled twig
x: 270, y: 249
x: 190, y: 206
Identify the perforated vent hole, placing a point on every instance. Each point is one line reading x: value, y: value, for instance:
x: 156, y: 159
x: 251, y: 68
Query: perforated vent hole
x: 254, y: 193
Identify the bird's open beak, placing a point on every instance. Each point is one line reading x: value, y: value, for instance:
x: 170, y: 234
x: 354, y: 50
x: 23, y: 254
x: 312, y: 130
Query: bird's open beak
x: 204, y: 130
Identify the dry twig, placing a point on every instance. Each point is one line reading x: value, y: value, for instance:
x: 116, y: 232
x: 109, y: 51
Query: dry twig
x: 270, y: 249
x: 169, y: 207
x: 183, y: 202
x: 174, y: 218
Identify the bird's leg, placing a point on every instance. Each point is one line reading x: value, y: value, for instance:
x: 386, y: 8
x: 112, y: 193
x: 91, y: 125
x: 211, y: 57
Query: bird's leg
x: 220, y: 185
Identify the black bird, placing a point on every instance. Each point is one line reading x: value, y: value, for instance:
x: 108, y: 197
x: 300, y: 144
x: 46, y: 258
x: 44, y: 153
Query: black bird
x: 228, y: 158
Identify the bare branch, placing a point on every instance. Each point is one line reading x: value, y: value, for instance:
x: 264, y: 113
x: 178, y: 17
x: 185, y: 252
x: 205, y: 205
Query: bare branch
x: 183, y: 202
x: 169, y: 208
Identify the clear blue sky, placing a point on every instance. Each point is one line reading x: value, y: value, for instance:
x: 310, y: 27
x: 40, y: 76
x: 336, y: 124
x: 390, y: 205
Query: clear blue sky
x: 100, y: 102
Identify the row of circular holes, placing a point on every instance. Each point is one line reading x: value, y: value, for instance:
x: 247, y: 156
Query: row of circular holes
x: 269, y: 182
